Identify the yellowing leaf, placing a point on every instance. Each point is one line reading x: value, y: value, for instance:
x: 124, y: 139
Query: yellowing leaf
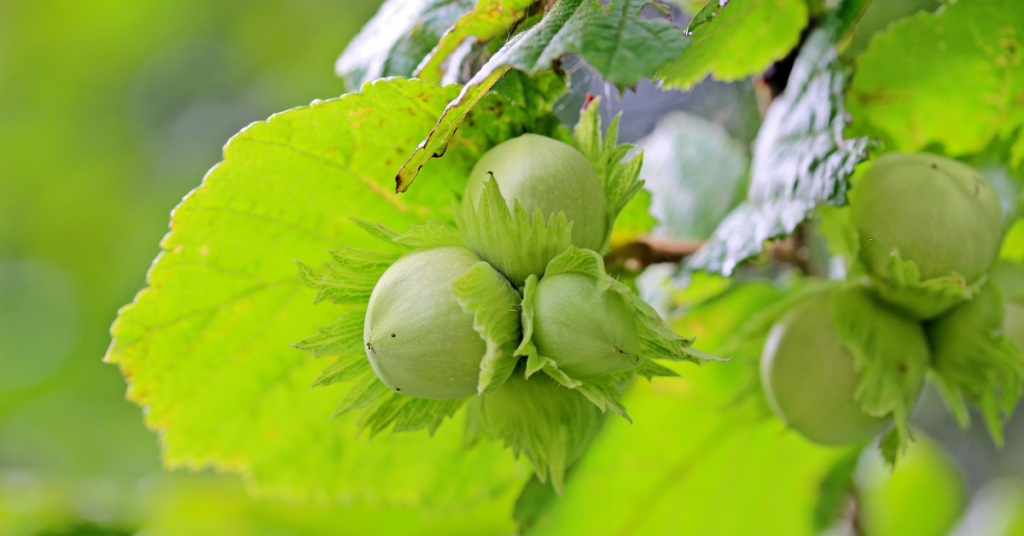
x: 206, y: 346
x: 956, y: 79
x: 733, y: 39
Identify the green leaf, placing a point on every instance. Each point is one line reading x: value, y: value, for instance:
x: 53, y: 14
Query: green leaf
x: 487, y: 20
x: 889, y: 351
x: 836, y: 491
x: 533, y: 502
x: 800, y: 160
x: 923, y: 299
x: 583, y: 261
x: 695, y: 172
x: 605, y: 394
x: 734, y: 39
x: 954, y: 79
x: 973, y: 360
x: 397, y: 39
x: 550, y: 425
x: 634, y: 221
x: 495, y: 307
x: 513, y: 242
x: 349, y: 277
x: 435, y: 144
x: 835, y: 224
x: 346, y: 368
x: 342, y: 337
x: 890, y: 446
x: 406, y: 413
x: 433, y: 233
x: 650, y: 369
x: 620, y: 178
x: 365, y: 391
x: 756, y: 327
x: 205, y: 347
x: 612, y: 39
x: 533, y: 97
x: 518, y: 103
x: 706, y: 473
x: 377, y: 230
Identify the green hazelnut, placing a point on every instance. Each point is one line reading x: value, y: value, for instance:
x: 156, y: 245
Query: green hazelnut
x: 587, y: 331
x: 419, y: 340
x: 810, y: 378
x: 547, y: 174
x: 940, y: 214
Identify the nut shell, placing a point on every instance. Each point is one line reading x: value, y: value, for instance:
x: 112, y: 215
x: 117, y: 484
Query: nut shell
x: 547, y: 174
x: 418, y: 339
x: 810, y: 379
x: 586, y: 331
x: 940, y: 214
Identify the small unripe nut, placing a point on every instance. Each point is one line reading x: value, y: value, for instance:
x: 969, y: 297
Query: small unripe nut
x: 940, y: 214
x: 418, y: 338
x: 810, y: 379
x: 546, y: 174
x: 588, y: 332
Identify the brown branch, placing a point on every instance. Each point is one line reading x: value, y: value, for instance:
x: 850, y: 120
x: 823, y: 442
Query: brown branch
x: 792, y: 250
x: 648, y: 250
x: 851, y: 515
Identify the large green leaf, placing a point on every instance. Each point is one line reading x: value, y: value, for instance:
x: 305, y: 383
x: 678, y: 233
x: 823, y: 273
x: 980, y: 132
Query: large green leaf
x: 206, y: 346
x: 737, y: 38
x: 488, y: 19
x: 397, y: 39
x: 698, y: 459
x: 956, y: 79
x: 801, y: 159
x: 690, y: 466
x: 613, y: 40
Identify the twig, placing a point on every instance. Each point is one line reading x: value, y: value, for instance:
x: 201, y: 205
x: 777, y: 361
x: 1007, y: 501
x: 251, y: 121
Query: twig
x: 792, y: 250
x: 648, y: 250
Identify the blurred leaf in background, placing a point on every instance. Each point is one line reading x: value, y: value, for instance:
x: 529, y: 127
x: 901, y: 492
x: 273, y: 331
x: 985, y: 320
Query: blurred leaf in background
x: 954, y: 79
x: 696, y: 173
x: 38, y: 322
